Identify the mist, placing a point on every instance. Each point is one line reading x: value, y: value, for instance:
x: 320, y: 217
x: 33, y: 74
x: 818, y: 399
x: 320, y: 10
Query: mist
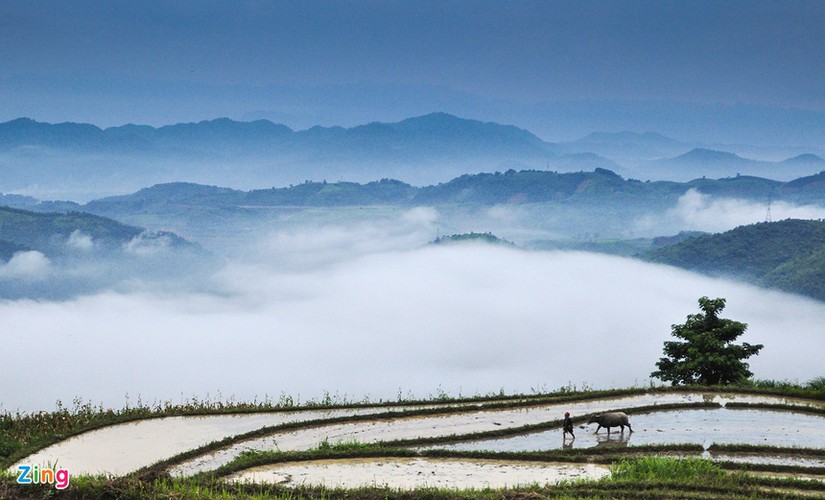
x: 373, y: 312
x: 81, y: 266
x: 695, y: 211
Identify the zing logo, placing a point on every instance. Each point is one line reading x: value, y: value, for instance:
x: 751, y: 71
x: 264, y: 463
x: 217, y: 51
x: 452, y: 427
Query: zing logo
x: 36, y: 475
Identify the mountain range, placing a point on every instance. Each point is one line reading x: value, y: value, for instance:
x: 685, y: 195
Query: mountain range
x: 521, y: 205
x: 82, y: 161
x: 786, y: 255
x: 510, y: 187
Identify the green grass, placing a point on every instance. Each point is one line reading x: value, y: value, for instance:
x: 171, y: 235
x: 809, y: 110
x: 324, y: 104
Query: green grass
x: 666, y: 469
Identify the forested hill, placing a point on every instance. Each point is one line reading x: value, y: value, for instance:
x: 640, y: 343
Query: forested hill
x: 58, y: 233
x: 8, y: 249
x: 510, y: 187
x: 788, y: 255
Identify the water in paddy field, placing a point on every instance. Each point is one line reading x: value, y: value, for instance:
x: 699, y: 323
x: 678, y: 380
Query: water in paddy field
x: 410, y: 473
x: 695, y: 426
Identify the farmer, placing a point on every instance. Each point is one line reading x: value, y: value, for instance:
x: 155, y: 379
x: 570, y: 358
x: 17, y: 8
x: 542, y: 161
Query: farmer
x: 568, y: 425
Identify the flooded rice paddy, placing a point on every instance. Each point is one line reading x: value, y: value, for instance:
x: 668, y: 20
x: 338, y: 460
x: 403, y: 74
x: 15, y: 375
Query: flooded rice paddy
x: 412, y: 473
x: 421, y: 427
x: 124, y: 448
x: 445, y: 425
x: 693, y: 426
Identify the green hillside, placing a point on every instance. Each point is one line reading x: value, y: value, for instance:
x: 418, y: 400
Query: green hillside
x: 510, y: 187
x: 789, y: 255
x: 805, y: 275
x: 382, y: 192
x: 8, y: 249
x: 50, y: 232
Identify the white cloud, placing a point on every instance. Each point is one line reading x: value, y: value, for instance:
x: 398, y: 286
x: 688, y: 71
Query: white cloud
x: 80, y: 241
x: 421, y: 216
x: 467, y: 318
x: 28, y: 266
x: 696, y: 211
x: 321, y: 245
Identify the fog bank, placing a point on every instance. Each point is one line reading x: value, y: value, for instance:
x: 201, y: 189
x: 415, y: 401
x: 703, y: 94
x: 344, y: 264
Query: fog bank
x: 696, y: 211
x: 382, y: 319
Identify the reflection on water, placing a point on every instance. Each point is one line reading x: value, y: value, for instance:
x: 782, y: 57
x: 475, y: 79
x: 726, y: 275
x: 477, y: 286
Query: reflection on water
x: 696, y: 426
x: 614, y: 440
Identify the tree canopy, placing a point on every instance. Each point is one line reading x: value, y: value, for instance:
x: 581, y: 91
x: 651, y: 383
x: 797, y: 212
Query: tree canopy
x: 707, y: 354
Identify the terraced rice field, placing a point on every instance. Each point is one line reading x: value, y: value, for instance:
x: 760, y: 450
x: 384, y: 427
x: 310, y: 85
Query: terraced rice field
x: 492, y: 444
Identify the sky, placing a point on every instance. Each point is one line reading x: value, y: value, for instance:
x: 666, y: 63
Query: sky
x: 112, y: 62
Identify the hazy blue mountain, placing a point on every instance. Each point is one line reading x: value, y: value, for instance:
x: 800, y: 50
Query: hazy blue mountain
x: 106, y: 99
x: 806, y: 159
x: 700, y: 162
x: 422, y: 136
x: 626, y: 147
x: 25, y: 132
x: 788, y: 254
x: 212, y: 134
x: 82, y: 162
x: 68, y: 157
x: 17, y: 200
x: 711, y: 156
x: 433, y: 137
x: 703, y: 162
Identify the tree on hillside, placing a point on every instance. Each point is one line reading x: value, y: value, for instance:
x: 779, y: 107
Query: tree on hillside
x: 708, y: 355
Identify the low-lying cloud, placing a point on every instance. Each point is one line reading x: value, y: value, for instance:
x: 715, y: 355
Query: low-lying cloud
x: 80, y: 241
x: 696, y: 211
x: 27, y: 266
x: 373, y: 311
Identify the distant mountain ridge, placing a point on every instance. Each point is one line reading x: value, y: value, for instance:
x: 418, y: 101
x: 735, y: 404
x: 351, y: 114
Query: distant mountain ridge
x: 434, y: 129
x: 806, y: 158
x: 601, y: 186
x: 714, y: 163
x: 421, y: 150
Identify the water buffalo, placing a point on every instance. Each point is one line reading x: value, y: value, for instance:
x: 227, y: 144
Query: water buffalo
x: 611, y: 419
